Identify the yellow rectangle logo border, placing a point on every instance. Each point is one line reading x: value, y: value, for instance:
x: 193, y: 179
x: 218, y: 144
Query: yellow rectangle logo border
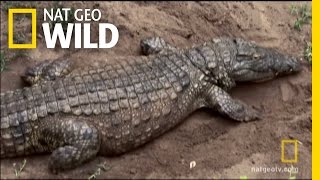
x: 34, y: 28
x: 289, y: 141
x: 315, y: 90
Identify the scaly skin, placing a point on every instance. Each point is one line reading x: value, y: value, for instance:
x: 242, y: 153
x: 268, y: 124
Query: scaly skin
x: 117, y: 108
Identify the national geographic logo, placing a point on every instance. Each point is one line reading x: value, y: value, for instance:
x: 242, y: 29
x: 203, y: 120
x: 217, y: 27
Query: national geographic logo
x: 293, y: 151
x: 81, y: 30
x: 33, y: 13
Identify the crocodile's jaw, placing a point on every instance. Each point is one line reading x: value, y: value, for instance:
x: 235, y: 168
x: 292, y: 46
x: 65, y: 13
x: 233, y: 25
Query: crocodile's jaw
x: 255, y: 63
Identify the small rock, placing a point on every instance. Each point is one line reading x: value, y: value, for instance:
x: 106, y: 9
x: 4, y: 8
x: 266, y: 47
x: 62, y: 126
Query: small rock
x: 291, y: 136
x: 286, y: 91
x: 309, y: 100
x: 182, y: 161
x: 192, y: 164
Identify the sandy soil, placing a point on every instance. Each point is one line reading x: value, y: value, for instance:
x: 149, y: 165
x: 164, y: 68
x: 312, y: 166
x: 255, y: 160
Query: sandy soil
x: 220, y: 147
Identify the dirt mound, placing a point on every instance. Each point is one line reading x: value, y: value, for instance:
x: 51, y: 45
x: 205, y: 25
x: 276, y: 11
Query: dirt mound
x: 220, y: 147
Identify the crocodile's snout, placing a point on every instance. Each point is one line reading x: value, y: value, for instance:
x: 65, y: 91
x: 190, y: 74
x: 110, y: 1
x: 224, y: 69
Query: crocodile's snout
x: 289, y: 65
x: 278, y: 64
x: 266, y: 68
x: 254, y: 63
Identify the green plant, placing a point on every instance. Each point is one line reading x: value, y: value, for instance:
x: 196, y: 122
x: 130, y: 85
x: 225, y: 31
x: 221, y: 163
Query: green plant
x: 294, y: 9
x: 243, y: 177
x: 308, y: 52
x: 3, y: 61
x: 98, y: 171
x: 18, y: 171
x: 304, y: 15
x: 292, y: 174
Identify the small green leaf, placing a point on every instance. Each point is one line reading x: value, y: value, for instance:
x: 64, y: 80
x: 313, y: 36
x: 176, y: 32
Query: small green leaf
x: 243, y: 177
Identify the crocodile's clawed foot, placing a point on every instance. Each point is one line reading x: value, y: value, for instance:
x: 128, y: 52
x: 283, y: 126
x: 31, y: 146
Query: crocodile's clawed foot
x: 155, y: 45
x: 240, y: 111
x: 251, y: 114
x: 233, y: 108
x: 47, y: 71
x: 63, y: 158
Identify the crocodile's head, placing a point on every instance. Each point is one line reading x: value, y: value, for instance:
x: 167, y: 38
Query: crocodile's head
x: 254, y: 63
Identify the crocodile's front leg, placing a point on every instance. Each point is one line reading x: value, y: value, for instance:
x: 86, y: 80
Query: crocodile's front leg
x: 155, y: 45
x: 73, y: 142
x: 220, y: 100
x: 47, y: 71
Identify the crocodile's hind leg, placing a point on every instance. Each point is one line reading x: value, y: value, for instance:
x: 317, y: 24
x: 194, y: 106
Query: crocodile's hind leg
x: 47, y: 71
x: 73, y: 142
x: 155, y: 45
x: 220, y: 100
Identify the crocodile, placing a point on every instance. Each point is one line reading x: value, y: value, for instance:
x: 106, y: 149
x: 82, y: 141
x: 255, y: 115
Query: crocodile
x: 110, y: 110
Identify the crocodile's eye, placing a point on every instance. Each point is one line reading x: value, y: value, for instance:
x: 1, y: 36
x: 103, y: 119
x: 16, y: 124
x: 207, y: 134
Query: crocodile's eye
x: 256, y: 56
